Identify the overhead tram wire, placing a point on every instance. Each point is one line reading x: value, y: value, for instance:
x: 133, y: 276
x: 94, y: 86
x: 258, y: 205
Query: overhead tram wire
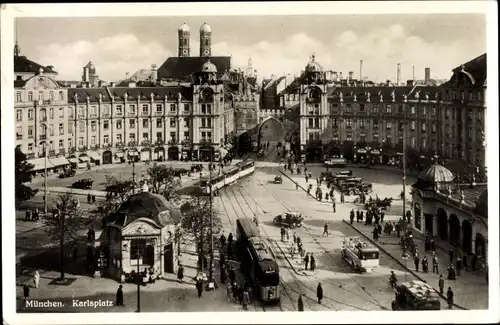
x: 375, y: 301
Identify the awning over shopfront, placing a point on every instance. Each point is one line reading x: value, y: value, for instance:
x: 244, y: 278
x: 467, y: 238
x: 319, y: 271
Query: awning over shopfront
x: 362, y: 151
x: 94, y: 155
x: 84, y: 158
x: 120, y: 154
x: 399, y: 154
x: 39, y: 164
x: 375, y: 152
x: 73, y: 160
x: 59, y: 161
x: 133, y: 153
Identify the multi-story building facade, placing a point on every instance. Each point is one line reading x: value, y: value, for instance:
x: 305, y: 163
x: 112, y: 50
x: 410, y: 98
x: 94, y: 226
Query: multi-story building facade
x: 364, y: 121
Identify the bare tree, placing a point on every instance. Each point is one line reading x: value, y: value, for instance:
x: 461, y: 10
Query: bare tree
x: 195, y: 222
x: 117, y: 192
x: 65, y: 223
x: 161, y: 179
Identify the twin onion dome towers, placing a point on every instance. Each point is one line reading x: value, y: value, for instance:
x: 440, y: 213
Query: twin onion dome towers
x: 184, y: 33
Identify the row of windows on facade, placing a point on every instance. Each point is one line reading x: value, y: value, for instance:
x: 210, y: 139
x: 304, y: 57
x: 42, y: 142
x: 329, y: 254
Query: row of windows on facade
x: 205, y: 123
x: 205, y: 109
x: 362, y: 138
x: 40, y: 96
x: 205, y: 136
x: 315, y: 110
x: 314, y: 123
x: 472, y: 95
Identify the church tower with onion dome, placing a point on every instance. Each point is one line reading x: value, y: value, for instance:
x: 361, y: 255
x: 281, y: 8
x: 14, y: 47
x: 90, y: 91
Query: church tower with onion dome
x: 184, y: 33
x: 205, y: 40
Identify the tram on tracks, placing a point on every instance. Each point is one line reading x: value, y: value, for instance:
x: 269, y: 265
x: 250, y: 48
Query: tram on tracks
x: 228, y: 175
x: 257, y: 261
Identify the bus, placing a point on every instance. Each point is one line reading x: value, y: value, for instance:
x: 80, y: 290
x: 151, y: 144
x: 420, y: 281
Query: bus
x: 416, y: 295
x: 257, y: 261
x: 362, y: 256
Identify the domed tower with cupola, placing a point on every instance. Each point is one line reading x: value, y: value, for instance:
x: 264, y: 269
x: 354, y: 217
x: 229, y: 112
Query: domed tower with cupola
x: 205, y: 40
x: 313, y: 111
x: 184, y: 33
x: 208, y: 111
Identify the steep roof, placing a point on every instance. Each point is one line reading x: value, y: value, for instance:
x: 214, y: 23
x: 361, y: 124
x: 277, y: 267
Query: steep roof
x: 22, y: 64
x: 149, y: 205
x: 475, y: 68
x: 175, y: 67
x: 133, y: 93
x: 411, y: 92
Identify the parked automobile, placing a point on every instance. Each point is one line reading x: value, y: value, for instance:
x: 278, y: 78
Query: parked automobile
x: 67, y: 173
x: 83, y: 184
x: 289, y: 219
x: 278, y: 179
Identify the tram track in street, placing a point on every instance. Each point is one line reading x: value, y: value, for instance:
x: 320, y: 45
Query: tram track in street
x: 373, y: 300
x: 297, y: 280
x: 237, y: 214
x: 298, y: 283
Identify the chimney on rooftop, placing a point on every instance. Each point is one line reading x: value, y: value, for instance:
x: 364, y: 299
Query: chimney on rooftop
x: 154, y: 73
x: 413, y: 73
x: 361, y: 70
x: 398, y: 74
x: 427, y: 75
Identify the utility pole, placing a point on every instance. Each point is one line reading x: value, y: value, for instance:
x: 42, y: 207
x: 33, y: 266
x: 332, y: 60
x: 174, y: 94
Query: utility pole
x: 404, y: 175
x: 45, y: 173
x: 211, y: 271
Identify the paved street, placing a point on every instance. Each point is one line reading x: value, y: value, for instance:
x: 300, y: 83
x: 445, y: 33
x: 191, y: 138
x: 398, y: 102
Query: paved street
x: 471, y: 289
x: 344, y: 289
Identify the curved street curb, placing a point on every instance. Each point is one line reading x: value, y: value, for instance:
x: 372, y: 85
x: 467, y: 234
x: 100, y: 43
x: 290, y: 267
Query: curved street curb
x: 399, y: 262
x: 287, y: 259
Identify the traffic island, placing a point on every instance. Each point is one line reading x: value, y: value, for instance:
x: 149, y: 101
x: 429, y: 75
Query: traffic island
x: 291, y: 261
x: 415, y: 274
x: 62, y: 282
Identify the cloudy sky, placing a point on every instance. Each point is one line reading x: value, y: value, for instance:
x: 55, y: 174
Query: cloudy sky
x: 276, y: 44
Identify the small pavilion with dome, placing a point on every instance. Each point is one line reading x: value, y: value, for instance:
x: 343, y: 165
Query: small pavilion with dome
x: 451, y: 211
x: 144, y: 230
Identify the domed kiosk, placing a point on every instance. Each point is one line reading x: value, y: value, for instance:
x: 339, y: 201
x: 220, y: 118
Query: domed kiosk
x: 143, y: 235
x: 436, y: 177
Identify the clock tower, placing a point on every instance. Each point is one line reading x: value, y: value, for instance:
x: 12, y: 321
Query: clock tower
x: 184, y: 33
x: 205, y: 40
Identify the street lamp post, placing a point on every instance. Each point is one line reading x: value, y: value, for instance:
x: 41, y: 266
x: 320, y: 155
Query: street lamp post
x: 45, y: 173
x: 211, y: 270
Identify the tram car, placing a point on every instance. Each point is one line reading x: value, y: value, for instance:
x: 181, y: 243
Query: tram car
x: 361, y: 255
x: 257, y: 261
x: 228, y: 175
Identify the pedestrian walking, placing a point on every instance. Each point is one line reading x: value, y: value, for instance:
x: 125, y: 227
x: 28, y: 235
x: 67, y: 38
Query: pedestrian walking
x: 459, y: 264
x: 417, y: 262
x: 296, y: 186
x: 425, y: 265
x: 294, y: 238
x: 223, y: 274
x: 451, y: 254
x: 300, y: 304
x: 319, y: 293
x: 435, y: 265
x: 36, y: 279
x: 335, y: 207
x: 449, y: 298
x: 232, y: 275
x: 180, y: 273
x: 287, y: 235
x: 441, y: 284
x: 119, y: 296
x: 222, y: 241
x: 342, y: 199
x: 306, y: 261
x: 26, y: 291
x: 312, y: 262
x: 246, y: 299
x: 432, y: 245
x: 325, y: 230
x: 382, y: 215
x: 229, y: 292
x: 199, y: 288
x: 89, y: 198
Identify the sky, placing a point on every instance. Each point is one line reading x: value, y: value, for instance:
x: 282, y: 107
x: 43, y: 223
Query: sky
x: 277, y: 45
